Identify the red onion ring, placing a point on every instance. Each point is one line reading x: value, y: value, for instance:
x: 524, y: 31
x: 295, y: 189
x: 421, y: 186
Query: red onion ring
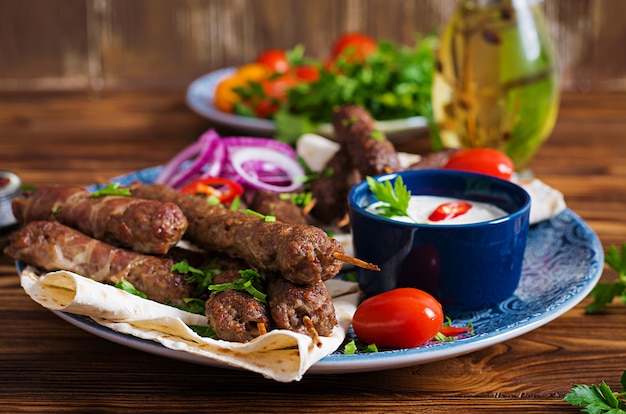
x: 288, y: 164
x: 208, y: 150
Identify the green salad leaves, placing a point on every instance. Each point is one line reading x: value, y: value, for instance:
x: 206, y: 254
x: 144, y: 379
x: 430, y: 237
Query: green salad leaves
x: 393, y: 83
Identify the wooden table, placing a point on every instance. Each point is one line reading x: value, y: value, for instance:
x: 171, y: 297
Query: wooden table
x: 48, y: 365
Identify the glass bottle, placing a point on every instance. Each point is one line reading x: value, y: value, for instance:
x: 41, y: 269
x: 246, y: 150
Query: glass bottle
x: 496, y: 82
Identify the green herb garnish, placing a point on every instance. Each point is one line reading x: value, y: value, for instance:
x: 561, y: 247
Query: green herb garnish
x: 192, y: 305
x: 204, y: 331
x: 203, y: 277
x: 111, y: 189
x: 395, y: 198
x: 598, y: 399
x: 267, y: 219
x: 128, y: 287
x: 603, y: 293
x: 355, y: 346
x: 250, y: 282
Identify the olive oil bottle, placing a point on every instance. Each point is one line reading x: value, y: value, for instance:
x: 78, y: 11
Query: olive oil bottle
x: 496, y: 82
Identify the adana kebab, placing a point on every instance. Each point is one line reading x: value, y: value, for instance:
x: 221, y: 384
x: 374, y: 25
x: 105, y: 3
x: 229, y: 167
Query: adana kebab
x: 235, y: 315
x: 145, y: 226
x: 51, y: 246
x: 303, y: 254
x: 364, y: 150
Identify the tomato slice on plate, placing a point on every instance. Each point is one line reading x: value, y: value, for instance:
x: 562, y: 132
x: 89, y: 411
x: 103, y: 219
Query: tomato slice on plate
x: 449, y: 210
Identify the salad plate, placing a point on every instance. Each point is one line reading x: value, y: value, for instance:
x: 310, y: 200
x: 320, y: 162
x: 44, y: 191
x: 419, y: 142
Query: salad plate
x: 199, y: 98
x: 563, y: 261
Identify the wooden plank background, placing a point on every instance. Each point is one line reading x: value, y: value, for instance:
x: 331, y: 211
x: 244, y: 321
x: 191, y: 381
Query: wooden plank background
x: 95, y: 45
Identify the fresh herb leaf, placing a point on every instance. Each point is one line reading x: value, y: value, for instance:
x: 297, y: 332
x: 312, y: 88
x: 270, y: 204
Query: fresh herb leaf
x: 128, y: 287
x: 111, y: 189
x: 357, y: 345
x: 203, y: 277
x: 250, y: 282
x: 395, y: 198
x: 598, y: 399
x: 603, y: 293
x: 204, y: 331
x: 192, y: 305
x: 267, y: 219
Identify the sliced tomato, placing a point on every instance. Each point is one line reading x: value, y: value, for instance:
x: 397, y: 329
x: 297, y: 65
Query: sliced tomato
x: 275, y: 59
x: 354, y: 47
x: 482, y: 160
x: 449, y: 210
x: 219, y: 188
x: 399, y: 318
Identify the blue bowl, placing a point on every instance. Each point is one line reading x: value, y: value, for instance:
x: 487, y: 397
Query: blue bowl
x: 465, y: 266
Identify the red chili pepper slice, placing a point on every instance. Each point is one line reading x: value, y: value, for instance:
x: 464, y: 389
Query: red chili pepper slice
x: 449, y: 210
x: 448, y: 330
x: 222, y: 189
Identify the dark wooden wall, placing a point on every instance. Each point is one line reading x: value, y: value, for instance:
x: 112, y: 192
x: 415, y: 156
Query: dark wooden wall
x: 165, y: 44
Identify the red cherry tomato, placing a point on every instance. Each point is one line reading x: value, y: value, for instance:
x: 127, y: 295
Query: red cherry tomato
x: 355, y: 47
x: 307, y: 73
x: 275, y: 59
x: 399, y: 318
x: 482, y: 160
x: 275, y: 93
x: 449, y: 210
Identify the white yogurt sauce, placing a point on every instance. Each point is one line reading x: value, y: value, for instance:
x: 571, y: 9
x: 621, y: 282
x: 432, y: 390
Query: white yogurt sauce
x: 421, y: 207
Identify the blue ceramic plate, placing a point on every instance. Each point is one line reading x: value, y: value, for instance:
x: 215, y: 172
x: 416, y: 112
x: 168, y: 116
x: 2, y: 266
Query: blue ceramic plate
x: 563, y: 261
x: 200, y: 99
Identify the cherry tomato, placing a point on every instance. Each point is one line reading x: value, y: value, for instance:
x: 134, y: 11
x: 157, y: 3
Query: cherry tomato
x: 275, y: 93
x: 482, y: 160
x: 307, y: 73
x: 222, y: 189
x: 355, y: 47
x: 398, y: 318
x: 275, y: 59
x: 449, y: 210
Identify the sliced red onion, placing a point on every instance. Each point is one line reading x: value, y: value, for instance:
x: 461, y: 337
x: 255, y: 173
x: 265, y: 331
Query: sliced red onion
x: 208, y: 150
x: 233, y: 143
x: 286, y: 163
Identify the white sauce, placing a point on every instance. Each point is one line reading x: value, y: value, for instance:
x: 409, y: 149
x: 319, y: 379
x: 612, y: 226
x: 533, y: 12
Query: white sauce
x: 421, y: 207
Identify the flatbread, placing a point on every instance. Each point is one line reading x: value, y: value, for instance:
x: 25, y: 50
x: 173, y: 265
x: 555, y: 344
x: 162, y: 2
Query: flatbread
x: 280, y: 355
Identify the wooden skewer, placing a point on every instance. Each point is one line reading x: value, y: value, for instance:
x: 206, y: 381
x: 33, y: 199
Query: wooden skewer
x: 262, y: 328
x: 345, y: 220
x: 308, y: 323
x: 309, y: 206
x: 356, y: 262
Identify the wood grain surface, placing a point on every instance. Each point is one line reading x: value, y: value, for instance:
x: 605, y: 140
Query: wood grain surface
x: 164, y: 44
x: 48, y: 365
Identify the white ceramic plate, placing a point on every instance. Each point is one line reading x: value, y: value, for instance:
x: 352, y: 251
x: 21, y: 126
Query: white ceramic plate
x: 200, y: 99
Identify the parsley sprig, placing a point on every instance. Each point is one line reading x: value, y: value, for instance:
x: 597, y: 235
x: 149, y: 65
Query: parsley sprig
x: 603, y: 293
x: 250, y: 282
x: 111, y: 189
x: 598, y: 399
x: 395, y: 198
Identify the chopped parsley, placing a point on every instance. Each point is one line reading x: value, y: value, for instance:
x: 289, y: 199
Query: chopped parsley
x: 111, y: 189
